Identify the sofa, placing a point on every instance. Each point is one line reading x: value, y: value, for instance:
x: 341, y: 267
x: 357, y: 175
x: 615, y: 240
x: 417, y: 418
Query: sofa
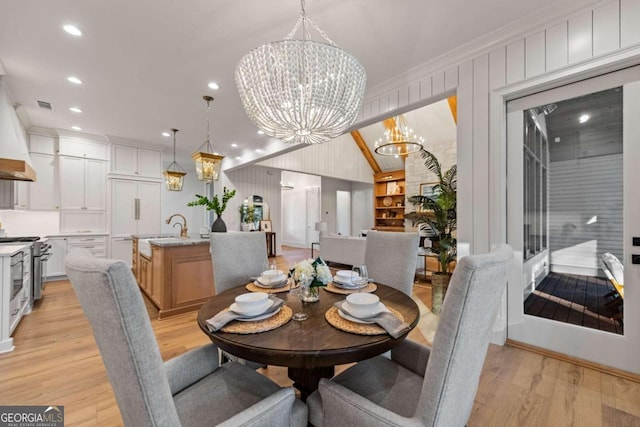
x: 342, y: 249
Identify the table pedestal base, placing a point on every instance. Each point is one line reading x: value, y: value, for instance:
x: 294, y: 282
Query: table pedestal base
x: 306, y: 380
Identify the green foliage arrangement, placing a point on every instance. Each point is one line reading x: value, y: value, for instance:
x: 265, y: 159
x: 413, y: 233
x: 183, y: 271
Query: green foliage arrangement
x: 439, y: 212
x: 214, y: 204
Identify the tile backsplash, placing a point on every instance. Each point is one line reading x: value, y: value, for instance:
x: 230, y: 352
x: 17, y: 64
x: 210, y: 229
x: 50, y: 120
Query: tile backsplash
x: 30, y: 223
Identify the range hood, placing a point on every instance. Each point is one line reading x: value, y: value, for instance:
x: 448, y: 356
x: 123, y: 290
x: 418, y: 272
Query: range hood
x: 17, y: 170
x: 14, y: 155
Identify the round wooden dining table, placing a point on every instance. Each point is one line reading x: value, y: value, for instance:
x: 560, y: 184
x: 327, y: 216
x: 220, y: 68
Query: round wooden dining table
x: 311, y: 348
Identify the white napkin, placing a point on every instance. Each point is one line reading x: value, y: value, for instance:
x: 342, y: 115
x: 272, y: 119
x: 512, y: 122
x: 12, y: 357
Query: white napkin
x: 388, y: 321
x: 224, y: 317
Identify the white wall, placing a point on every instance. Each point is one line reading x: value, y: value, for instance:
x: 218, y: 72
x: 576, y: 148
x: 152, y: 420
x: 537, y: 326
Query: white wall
x: 30, y: 223
x: 176, y: 201
x: 597, y: 39
x: 339, y: 158
x: 247, y: 181
x: 361, y: 207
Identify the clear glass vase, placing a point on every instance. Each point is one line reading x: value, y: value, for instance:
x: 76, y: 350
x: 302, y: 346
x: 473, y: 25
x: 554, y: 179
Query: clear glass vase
x: 308, y: 293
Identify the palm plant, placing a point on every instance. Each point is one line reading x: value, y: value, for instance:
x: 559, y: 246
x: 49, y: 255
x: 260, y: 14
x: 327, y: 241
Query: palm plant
x: 439, y: 212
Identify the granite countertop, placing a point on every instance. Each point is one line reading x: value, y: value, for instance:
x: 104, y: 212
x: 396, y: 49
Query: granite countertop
x: 8, y: 249
x: 173, y: 240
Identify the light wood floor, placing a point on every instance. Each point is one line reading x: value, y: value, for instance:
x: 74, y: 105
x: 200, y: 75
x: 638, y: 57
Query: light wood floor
x: 56, y: 362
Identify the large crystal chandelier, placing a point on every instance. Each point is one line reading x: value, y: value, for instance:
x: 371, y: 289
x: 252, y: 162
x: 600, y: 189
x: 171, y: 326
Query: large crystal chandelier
x: 398, y: 139
x: 301, y: 91
x: 208, y: 161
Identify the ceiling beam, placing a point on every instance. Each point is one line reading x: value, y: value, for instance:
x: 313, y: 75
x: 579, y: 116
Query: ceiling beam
x: 453, y: 105
x: 362, y: 145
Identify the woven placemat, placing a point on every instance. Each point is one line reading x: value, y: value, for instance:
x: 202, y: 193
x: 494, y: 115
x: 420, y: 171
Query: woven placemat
x: 337, y: 321
x: 252, y: 287
x: 273, y: 322
x: 371, y: 287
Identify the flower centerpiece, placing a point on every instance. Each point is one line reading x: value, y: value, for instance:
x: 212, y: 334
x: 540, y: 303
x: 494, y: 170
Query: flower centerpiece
x: 312, y: 274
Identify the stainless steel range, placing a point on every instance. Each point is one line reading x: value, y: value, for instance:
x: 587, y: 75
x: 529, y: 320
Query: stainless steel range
x: 39, y: 255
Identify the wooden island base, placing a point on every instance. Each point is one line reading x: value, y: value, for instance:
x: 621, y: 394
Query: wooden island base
x: 177, y: 279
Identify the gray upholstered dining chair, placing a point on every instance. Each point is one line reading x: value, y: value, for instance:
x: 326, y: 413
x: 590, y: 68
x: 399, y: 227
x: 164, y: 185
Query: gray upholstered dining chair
x: 236, y: 257
x: 189, y: 390
x: 422, y: 386
x: 391, y: 258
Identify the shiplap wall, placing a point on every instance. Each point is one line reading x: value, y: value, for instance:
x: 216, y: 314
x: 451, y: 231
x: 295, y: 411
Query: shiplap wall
x: 248, y: 181
x: 578, y: 39
x: 585, y: 221
x: 599, y: 37
x: 339, y: 158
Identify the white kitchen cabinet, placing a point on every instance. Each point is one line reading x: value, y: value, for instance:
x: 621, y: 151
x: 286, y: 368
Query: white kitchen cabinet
x: 97, y: 245
x: 82, y: 148
x: 122, y: 249
x: 42, y: 144
x: 136, y: 161
x: 82, y: 183
x: 43, y: 192
x: 55, y: 265
x: 135, y: 207
x: 13, y: 305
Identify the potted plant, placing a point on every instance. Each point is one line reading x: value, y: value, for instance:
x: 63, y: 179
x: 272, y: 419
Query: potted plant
x: 439, y: 214
x: 215, y: 205
x: 248, y: 217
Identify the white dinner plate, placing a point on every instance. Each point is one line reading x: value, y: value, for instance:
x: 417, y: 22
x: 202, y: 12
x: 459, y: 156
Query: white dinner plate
x: 280, y: 284
x: 347, y: 285
x: 234, y: 307
x: 379, y: 309
x: 261, y: 317
x: 353, y: 319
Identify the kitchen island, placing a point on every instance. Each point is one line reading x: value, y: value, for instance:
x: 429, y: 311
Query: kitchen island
x: 174, y: 272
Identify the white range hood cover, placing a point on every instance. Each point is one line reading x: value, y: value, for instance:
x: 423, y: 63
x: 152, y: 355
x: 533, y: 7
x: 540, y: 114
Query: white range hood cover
x: 15, y: 163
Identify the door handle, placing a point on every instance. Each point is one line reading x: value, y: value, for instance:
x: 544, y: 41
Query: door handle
x: 137, y: 208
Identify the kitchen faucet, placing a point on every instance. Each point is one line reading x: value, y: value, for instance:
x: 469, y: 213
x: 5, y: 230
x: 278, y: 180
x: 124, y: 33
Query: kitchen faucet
x: 183, y: 229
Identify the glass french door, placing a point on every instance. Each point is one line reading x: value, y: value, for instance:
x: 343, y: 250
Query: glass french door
x: 573, y: 212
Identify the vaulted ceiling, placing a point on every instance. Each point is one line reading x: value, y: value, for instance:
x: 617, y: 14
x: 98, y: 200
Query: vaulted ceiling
x: 145, y: 64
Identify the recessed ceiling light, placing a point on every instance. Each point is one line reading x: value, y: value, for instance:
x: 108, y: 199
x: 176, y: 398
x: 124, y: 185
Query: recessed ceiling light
x: 72, y: 29
x: 584, y: 118
x: 74, y: 80
x: 213, y: 85
x: 76, y: 128
x: 259, y: 150
x: 234, y: 145
x: 260, y: 132
x: 238, y: 158
x: 166, y: 134
x: 75, y: 110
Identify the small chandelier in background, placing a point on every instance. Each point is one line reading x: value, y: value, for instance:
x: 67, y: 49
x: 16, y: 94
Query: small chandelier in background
x: 301, y: 91
x: 174, y: 175
x: 399, y: 139
x: 208, y: 161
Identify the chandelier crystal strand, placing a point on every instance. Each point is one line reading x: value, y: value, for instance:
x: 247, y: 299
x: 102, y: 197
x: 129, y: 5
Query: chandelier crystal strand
x: 301, y: 91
